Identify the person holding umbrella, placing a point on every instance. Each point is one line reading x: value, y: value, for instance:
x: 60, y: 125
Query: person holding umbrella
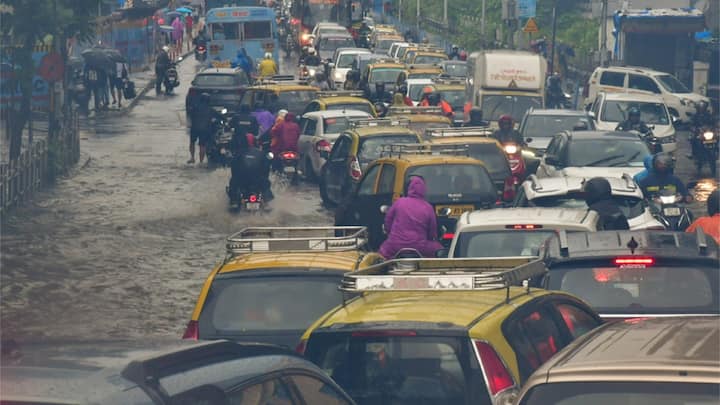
x: 177, y: 36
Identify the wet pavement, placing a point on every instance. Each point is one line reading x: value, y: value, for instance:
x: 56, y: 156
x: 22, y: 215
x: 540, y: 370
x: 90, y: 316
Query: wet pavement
x: 122, y: 246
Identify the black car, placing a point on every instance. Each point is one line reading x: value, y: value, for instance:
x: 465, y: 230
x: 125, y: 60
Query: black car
x: 150, y: 372
x: 224, y: 85
x: 625, y: 274
x: 538, y: 126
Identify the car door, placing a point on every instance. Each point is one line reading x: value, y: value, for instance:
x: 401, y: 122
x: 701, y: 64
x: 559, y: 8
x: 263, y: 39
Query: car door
x: 307, y: 133
x: 357, y: 210
x: 370, y: 213
x: 335, y: 171
x: 547, y: 169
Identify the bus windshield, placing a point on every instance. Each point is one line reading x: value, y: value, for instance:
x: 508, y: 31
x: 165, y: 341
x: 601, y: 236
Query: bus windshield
x: 494, y: 106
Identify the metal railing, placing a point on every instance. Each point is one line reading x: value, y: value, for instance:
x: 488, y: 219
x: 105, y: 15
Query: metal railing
x: 20, y: 178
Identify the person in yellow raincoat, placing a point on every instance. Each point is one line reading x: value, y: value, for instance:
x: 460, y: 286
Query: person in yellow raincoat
x: 268, y: 67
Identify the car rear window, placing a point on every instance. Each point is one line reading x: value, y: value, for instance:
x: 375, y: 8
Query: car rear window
x: 500, y: 243
x: 456, y: 98
x: 607, y: 152
x: 541, y: 126
x: 219, y: 80
x: 650, y: 113
x: 640, y: 289
x: 296, y: 100
x: 371, y: 147
x: 636, y: 393
x: 493, y: 157
x: 384, y: 75
x: 244, y: 304
x: 630, y: 206
x: 377, y: 369
x: 336, y: 125
x: 364, y: 107
x: 455, y: 183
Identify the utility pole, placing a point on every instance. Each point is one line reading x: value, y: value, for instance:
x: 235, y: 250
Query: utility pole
x: 482, y: 24
x: 603, y: 33
x: 417, y: 20
x: 445, y: 18
x: 554, y: 30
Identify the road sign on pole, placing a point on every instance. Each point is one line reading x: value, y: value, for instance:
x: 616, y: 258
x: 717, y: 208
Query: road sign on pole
x: 526, y: 9
x: 531, y: 26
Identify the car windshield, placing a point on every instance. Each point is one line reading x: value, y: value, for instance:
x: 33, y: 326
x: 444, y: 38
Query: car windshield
x: 372, y: 146
x: 336, y: 125
x: 331, y: 44
x: 346, y: 60
x: 415, y: 91
x: 637, y: 289
x: 500, y: 243
x: 543, y: 126
x: 384, y: 75
x: 495, y: 106
x: 493, y: 158
x: 296, y: 100
x: 607, y: 152
x: 671, y: 84
x: 384, y: 44
x: 635, y: 393
x: 650, y: 113
x: 216, y: 80
x: 456, y: 69
x: 364, y: 107
x: 429, y: 59
x: 456, y: 98
x: 243, y: 304
x: 466, y: 183
x: 383, y: 369
x: 630, y: 206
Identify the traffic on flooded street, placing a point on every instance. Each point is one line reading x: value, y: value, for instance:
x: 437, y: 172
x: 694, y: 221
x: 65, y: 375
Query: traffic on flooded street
x: 337, y: 202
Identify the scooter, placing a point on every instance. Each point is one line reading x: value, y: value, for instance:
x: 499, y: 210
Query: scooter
x: 172, y: 79
x: 201, y: 53
x: 251, y: 198
x: 287, y: 165
x: 705, y: 149
x: 669, y: 209
x: 221, y: 139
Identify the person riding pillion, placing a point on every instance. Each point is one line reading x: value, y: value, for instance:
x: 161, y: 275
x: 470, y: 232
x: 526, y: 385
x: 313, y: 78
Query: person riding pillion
x: 598, y: 197
x: 633, y: 122
x: 268, y: 67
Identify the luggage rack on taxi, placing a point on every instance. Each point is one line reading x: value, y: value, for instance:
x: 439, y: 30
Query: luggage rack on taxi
x: 475, y: 274
x: 277, y: 79
x: 379, y: 122
x: 448, y: 80
x: 453, y: 132
x: 296, y: 239
x: 399, y: 149
x: 339, y: 93
x: 414, y: 110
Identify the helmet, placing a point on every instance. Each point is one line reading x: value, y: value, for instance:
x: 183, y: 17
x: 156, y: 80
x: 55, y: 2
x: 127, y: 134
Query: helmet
x: 427, y: 90
x: 166, y: 48
x: 311, y: 51
x: 505, y: 119
x: 713, y: 202
x: 597, y: 189
x: 634, y: 112
x: 702, y: 105
x: 268, y: 55
x: 662, y: 163
x: 455, y: 47
x: 204, y: 97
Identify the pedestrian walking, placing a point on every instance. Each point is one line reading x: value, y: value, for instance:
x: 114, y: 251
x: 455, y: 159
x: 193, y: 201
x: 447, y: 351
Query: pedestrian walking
x: 189, y: 31
x: 91, y: 77
x: 177, y: 37
x: 118, y: 82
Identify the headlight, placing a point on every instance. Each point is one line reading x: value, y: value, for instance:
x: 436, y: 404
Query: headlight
x: 305, y: 36
x: 667, y: 199
x: 311, y: 71
x: 708, y: 135
x: 511, y: 149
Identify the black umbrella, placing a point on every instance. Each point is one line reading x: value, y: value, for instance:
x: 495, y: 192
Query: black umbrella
x: 97, y: 57
x: 115, y: 55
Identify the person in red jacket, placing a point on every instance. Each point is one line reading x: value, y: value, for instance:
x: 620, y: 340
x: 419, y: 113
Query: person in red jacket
x: 711, y: 223
x: 285, y: 137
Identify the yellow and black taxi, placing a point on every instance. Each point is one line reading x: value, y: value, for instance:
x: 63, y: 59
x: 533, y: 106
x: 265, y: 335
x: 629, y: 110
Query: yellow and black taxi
x: 275, y: 281
x: 443, y: 331
x: 421, y: 118
x: 425, y: 56
x: 354, y: 149
x: 453, y: 92
x: 419, y: 72
x: 378, y: 79
x: 339, y: 101
x: 456, y: 183
x: 482, y: 147
x: 381, y: 44
x: 280, y: 92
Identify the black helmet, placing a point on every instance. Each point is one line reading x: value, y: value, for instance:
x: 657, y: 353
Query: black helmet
x: 597, y: 189
x: 713, y: 202
x: 204, y: 97
x: 476, y: 114
x: 702, y: 105
x: 434, y: 97
x: 403, y: 89
x: 634, y: 112
x: 662, y: 163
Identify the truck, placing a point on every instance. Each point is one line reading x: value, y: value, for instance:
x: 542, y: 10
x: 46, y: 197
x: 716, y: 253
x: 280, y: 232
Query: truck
x: 504, y: 82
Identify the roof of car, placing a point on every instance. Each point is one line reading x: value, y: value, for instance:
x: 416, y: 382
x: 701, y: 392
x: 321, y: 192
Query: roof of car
x: 572, y: 219
x: 449, y: 139
x: 552, y: 186
x: 448, y: 86
x: 453, y: 62
x: 601, y: 134
x: 646, y: 349
x: 381, y: 130
x: 343, y: 100
x: 674, y: 245
x: 638, y: 97
x: 387, y: 64
x: 280, y: 86
x: 353, y: 50
x: 633, y: 69
x: 428, y: 159
x: 558, y: 112
x: 220, y: 71
x: 411, y: 80
x: 336, y: 113
x: 419, y: 118
x: 344, y: 261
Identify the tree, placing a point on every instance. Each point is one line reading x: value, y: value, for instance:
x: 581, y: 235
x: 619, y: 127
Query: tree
x: 26, y: 23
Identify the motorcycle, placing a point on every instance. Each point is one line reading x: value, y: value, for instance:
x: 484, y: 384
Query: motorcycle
x: 287, y: 165
x: 308, y: 72
x: 172, y: 79
x: 201, y: 53
x: 668, y: 208
x: 221, y: 139
x: 251, y: 198
x: 705, y: 149
x: 515, y: 158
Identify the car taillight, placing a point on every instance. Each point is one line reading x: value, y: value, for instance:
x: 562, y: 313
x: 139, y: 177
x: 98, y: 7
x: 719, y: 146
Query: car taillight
x: 509, y: 188
x: 289, y: 155
x: 300, y: 348
x: 498, y: 377
x: 634, y: 261
x: 192, y: 331
x: 355, y: 170
x: 448, y: 235
x: 253, y: 198
x: 201, y: 48
x: 323, y: 146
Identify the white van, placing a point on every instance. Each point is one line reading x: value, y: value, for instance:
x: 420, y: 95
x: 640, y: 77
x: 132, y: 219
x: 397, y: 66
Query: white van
x: 615, y: 79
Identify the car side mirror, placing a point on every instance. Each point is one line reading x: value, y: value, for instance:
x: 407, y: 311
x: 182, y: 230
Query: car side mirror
x: 384, y: 209
x: 528, y: 140
x: 552, y: 160
x: 325, y: 154
x: 592, y: 115
x: 580, y: 126
x: 331, y: 65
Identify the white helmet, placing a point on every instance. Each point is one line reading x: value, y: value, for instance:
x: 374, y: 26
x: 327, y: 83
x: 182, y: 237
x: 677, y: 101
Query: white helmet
x: 268, y: 55
x: 166, y: 48
x: 311, y: 51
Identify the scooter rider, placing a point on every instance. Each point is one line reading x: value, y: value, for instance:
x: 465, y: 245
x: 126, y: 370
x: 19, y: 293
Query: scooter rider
x: 661, y: 178
x: 267, y: 67
x: 702, y: 117
x: 250, y: 169
x: 555, y: 93
x: 633, y: 123
x: 506, y: 133
x: 320, y: 81
x: 311, y: 59
x: 476, y: 118
x: 162, y: 63
x: 455, y: 53
x: 598, y: 197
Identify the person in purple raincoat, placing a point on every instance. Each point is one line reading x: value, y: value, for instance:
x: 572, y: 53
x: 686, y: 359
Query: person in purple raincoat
x: 411, y: 223
x: 177, y: 36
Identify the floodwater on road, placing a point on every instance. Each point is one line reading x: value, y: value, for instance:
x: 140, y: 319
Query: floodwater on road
x: 122, y: 246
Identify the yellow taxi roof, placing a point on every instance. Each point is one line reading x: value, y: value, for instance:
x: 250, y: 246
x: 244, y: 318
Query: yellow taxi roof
x: 418, y: 71
x: 427, y: 159
x: 285, y: 87
x: 429, y: 52
x: 445, y: 87
x: 343, y: 261
x: 451, y: 140
x: 425, y: 118
x: 343, y: 100
x: 382, y: 130
x: 461, y: 308
x: 387, y: 65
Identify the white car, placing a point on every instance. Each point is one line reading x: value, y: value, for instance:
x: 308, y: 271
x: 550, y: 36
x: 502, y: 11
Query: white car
x: 318, y: 132
x: 515, y: 232
x: 639, y: 80
x: 593, y: 154
x: 342, y: 63
x: 566, y: 192
x: 328, y: 28
x: 392, y: 52
x: 610, y: 109
x: 415, y: 89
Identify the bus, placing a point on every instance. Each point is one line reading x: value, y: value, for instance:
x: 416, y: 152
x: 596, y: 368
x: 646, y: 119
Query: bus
x: 233, y: 28
x: 211, y: 4
x: 311, y: 12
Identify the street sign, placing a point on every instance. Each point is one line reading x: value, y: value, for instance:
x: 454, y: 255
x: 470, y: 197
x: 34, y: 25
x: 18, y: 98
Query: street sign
x: 531, y: 26
x: 526, y: 9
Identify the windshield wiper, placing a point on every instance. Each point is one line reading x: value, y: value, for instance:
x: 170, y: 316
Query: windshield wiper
x: 597, y: 162
x: 628, y: 161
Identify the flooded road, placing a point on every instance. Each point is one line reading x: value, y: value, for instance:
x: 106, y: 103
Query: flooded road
x: 122, y: 246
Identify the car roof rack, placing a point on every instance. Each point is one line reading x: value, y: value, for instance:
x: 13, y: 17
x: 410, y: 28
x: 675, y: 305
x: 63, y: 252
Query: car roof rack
x: 465, y: 274
x: 448, y: 80
x: 279, y: 79
x: 414, y: 66
x: 379, y: 122
x: 629, y: 181
x: 462, y: 131
x: 400, y: 149
x: 296, y: 239
x: 385, y: 59
x: 407, y: 110
x: 339, y: 93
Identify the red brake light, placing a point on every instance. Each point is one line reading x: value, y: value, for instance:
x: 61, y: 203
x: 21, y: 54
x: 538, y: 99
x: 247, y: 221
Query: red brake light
x: 498, y: 377
x: 448, y: 235
x: 383, y: 333
x: 355, y: 170
x: 625, y: 261
x: 323, y: 146
x: 300, y: 348
x: 201, y: 48
x: 192, y: 331
x: 289, y: 155
x: 253, y: 198
x: 524, y: 226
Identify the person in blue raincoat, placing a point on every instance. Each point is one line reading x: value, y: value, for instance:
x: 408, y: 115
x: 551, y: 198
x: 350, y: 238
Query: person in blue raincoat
x: 243, y: 61
x: 647, y: 162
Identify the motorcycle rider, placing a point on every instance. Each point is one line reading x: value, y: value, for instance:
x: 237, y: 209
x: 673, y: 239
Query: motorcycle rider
x: 435, y: 99
x: 710, y: 224
x: 243, y: 123
x: 700, y: 121
x: 555, y: 93
x: 352, y: 79
x: 250, y: 169
x: 403, y: 91
x: 284, y: 138
x: 425, y: 99
x: 633, y: 122
x: 162, y: 63
x: 476, y: 118
x: 661, y: 178
x: 201, y: 125
x: 454, y: 53
x: 320, y: 81
x: 506, y: 133
x: 363, y: 34
x: 267, y: 67
x: 411, y: 223
x: 264, y: 118
x: 312, y: 59
x: 598, y: 197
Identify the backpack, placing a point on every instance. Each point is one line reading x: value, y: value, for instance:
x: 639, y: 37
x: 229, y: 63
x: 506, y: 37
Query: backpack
x: 129, y: 90
x: 613, y: 222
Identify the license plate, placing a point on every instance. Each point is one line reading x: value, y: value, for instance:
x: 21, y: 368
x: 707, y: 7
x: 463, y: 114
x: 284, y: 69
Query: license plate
x: 252, y: 206
x: 672, y: 211
x: 455, y: 210
x: 289, y: 169
x: 711, y: 141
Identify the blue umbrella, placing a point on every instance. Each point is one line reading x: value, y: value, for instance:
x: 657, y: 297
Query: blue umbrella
x: 184, y: 10
x: 172, y: 14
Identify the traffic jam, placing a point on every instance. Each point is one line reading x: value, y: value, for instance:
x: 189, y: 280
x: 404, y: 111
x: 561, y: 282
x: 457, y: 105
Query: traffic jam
x: 485, y: 242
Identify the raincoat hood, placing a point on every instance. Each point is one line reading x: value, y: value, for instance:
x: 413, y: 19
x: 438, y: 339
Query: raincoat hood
x: 597, y: 189
x: 647, y: 162
x: 289, y: 117
x: 417, y: 188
